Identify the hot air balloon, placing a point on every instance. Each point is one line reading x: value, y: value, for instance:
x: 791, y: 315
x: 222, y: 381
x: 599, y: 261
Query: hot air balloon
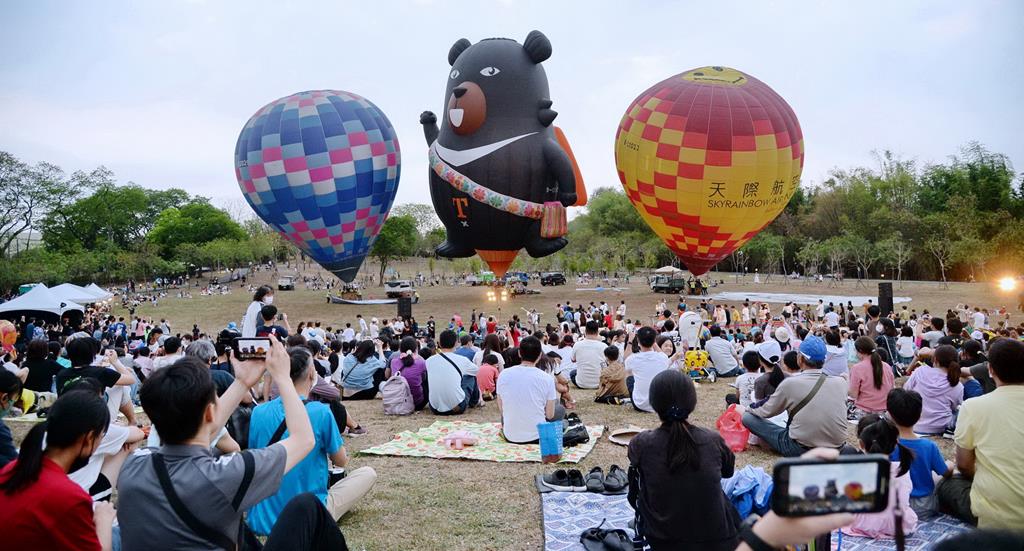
x: 709, y: 157
x: 322, y: 168
x: 500, y: 174
x: 8, y: 335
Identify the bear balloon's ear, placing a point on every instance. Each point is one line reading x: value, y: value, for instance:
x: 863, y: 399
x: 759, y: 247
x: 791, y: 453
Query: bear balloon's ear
x: 457, y: 49
x: 545, y: 114
x: 537, y: 46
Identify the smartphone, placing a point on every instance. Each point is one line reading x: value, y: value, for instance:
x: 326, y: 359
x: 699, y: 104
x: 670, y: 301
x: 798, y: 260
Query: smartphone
x: 280, y: 317
x: 251, y: 348
x: 849, y: 484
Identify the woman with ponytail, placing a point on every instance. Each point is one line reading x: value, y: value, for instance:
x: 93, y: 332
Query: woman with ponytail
x: 43, y: 508
x: 410, y: 365
x: 871, y: 379
x: 680, y: 459
x: 940, y: 389
x: 877, y: 434
x: 10, y: 394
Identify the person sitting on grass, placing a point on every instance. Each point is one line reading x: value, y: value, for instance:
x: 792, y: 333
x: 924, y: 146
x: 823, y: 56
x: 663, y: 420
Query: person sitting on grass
x: 879, y: 435
x: 904, y: 408
x: 989, y: 436
x: 587, y: 356
x: 745, y: 383
x: 815, y: 403
x: 526, y: 396
x: 180, y: 496
x: 613, y: 388
x: 42, y: 507
x: 643, y: 366
x: 940, y: 389
x: 681, y: 459
x: 451, y: 378
x: 268, y: 427
x: 871, y: 379
x: 412, y: 367
x: 487, y: 377
x: 362, y: 371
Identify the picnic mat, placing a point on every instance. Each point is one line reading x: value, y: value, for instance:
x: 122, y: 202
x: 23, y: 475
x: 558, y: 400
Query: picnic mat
x: 928, y: 533
x: 568, y: 514
x: 429, y: 442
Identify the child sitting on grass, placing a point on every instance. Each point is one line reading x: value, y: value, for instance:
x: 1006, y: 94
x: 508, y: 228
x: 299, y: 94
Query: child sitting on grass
x: 612, y: 389
x: 745, y: 382
x: 487, y: 377
x: 904, y: 407
x: 552, y: 362
x: 879, y: 435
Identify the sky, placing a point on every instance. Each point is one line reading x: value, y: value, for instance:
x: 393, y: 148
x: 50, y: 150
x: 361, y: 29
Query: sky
x: 158, y: 91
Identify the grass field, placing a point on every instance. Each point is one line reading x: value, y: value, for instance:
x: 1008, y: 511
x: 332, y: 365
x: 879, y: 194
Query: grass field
x: 433, y: 504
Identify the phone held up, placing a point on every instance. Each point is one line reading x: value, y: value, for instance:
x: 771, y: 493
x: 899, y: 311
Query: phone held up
x: 848, y: 484
x: 251, y: 348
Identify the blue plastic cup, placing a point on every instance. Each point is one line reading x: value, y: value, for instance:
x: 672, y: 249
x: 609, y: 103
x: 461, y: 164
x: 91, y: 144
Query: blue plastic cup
x: 550, y: 441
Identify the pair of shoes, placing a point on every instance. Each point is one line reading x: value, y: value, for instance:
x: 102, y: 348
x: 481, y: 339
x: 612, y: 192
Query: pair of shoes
x: 358, y: 431
x: 948, y: 433
x: 565, y: 481
x: 615, y: 481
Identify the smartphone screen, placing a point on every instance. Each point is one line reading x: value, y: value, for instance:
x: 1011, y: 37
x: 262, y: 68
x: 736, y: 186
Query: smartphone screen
x: 251, y: 348
x: 850, y: 484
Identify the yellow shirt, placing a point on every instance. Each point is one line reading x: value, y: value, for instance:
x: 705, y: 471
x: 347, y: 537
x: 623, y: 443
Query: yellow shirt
x: 993, y: 426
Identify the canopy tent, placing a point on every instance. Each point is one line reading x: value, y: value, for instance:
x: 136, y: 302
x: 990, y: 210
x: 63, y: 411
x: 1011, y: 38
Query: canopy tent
x: 100, y: 291
x: 667, y: 270
x: 75, y: 293
x: 40, y: 301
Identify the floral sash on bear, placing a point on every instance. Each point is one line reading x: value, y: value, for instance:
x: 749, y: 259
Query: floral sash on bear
x: 550, y: 213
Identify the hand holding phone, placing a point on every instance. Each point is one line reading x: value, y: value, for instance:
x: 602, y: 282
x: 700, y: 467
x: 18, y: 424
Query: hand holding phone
x: 813, y: 485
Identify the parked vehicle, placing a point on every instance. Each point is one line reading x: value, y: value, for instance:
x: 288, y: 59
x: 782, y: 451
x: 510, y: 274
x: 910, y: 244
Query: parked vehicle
x: 286, y: 283
x: 398, y: 288
x: 482, y: 278
x: 552, y: 278
x: 668, y: 284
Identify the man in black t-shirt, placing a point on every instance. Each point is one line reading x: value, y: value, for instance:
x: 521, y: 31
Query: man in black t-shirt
x: 81, y: 352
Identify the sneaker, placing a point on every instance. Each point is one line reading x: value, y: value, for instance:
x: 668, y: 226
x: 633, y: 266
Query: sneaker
x: 948, y: 433
x: 617, y: 479
x: 358, y: 431
x: 558, y: 481
x: 576, y: 481
x: 595, y: 480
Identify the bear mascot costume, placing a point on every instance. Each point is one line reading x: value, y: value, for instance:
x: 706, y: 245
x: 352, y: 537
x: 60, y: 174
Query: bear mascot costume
x: 500, y: 174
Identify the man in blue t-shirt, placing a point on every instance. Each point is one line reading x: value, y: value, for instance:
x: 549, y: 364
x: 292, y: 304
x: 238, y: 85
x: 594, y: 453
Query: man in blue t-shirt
x: 311, y: 474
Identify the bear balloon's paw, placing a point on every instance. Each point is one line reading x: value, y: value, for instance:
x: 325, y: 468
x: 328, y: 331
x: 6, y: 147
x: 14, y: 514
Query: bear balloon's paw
x: 567, y: 199
x: 428, y: 117
x: 540, y: 247
x: 452, y: 250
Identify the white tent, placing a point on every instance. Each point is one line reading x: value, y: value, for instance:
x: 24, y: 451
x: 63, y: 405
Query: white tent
x: 40, y: 299
x: 75, y: 293
x: 667, y: 270
x: 102, y: 293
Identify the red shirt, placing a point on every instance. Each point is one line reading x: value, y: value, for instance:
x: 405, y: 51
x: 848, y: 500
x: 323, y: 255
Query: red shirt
x: 492, y: 327
x: 52, y: 513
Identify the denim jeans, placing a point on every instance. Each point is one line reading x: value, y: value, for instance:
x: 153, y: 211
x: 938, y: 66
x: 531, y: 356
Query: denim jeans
x: 777, y: 437
x: 736, y: 372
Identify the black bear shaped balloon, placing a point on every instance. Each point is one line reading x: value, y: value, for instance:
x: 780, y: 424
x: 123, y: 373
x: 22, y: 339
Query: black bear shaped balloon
x: 499, y: 178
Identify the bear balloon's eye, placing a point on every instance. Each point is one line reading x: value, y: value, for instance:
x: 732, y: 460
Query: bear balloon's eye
x: 489, y: 71
x: 455, y: 74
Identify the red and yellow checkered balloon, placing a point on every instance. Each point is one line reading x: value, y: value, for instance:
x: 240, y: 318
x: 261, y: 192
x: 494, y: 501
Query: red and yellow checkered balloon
x: 709, y: 158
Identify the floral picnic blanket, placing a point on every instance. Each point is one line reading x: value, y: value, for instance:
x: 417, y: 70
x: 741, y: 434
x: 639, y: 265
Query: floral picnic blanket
x: 429, y: 442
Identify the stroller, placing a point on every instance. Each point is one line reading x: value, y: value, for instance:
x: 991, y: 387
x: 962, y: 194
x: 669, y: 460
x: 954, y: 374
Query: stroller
x: 695, y: 361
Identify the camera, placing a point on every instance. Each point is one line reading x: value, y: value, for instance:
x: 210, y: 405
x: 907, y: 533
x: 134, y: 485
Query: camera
x: 849, y: 484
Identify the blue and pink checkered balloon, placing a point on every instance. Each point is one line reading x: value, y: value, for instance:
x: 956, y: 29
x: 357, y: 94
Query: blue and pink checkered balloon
x: 321, y: 168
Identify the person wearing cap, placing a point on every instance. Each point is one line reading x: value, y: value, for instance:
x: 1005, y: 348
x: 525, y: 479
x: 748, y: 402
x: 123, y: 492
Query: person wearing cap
x: 781, y: 335
x: 820, y: 422
x: 769, y: 354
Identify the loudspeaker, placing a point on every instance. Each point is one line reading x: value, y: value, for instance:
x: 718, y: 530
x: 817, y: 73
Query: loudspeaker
x: 405, y: 307
x: 885, y: 298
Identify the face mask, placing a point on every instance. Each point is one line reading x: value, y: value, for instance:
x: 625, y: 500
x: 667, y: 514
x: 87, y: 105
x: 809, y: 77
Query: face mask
x: 879, y: 328
x: 7, y: 410
x: 269, y: 299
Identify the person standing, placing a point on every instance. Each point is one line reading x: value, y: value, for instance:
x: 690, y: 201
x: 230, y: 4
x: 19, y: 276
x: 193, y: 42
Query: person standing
x: 263, y: 296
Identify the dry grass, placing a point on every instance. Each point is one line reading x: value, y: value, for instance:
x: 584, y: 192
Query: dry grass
x: 433, y: 504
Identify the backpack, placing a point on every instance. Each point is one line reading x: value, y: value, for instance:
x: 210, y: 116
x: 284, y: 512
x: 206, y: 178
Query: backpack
x: 397, y: 396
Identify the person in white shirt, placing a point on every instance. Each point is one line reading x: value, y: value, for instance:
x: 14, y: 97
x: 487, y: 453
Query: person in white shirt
x: 172, y: 352
x: 587, y: 356
x: 722, y: 354
x: 935, y: 332
x: 978, y: 319
x: 451, y: 378
x: 398, y: 326
x: 362, y: 325
x: 349, y: 334
x: 831, y: 319
x: 374, y: 329
x: 263, y: 296
x: 642, y: 367
x: 621, y: 310
x: 819, y: 312
x: 745, y: 313
x: 527, y: 396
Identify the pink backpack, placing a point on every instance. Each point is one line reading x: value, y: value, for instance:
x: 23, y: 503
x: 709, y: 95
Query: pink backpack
x: 397, y: 396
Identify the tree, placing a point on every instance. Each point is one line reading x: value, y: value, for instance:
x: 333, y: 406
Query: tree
x: 862, y: 252
x: 27, y: 194
x: 896, y: 252
x: 810, y: 256
x: 835, y: 249
x: 396, y: 240
x: 424, y: 215
x: 196, y: 222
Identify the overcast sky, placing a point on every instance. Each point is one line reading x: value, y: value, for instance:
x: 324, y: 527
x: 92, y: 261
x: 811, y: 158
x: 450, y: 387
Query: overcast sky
x: 158, y: 91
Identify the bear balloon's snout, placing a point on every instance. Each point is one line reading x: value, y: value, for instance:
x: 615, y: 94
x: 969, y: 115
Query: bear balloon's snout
x: 467, y: 108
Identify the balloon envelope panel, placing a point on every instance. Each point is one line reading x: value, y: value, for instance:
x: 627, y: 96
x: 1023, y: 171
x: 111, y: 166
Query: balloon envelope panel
x: 709, y: 157
x: 322, y: 168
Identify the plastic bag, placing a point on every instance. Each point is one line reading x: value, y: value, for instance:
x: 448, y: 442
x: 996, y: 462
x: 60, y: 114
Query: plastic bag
x: 730, y: 426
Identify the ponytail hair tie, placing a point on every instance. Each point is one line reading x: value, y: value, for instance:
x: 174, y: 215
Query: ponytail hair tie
x: 676, y: 413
